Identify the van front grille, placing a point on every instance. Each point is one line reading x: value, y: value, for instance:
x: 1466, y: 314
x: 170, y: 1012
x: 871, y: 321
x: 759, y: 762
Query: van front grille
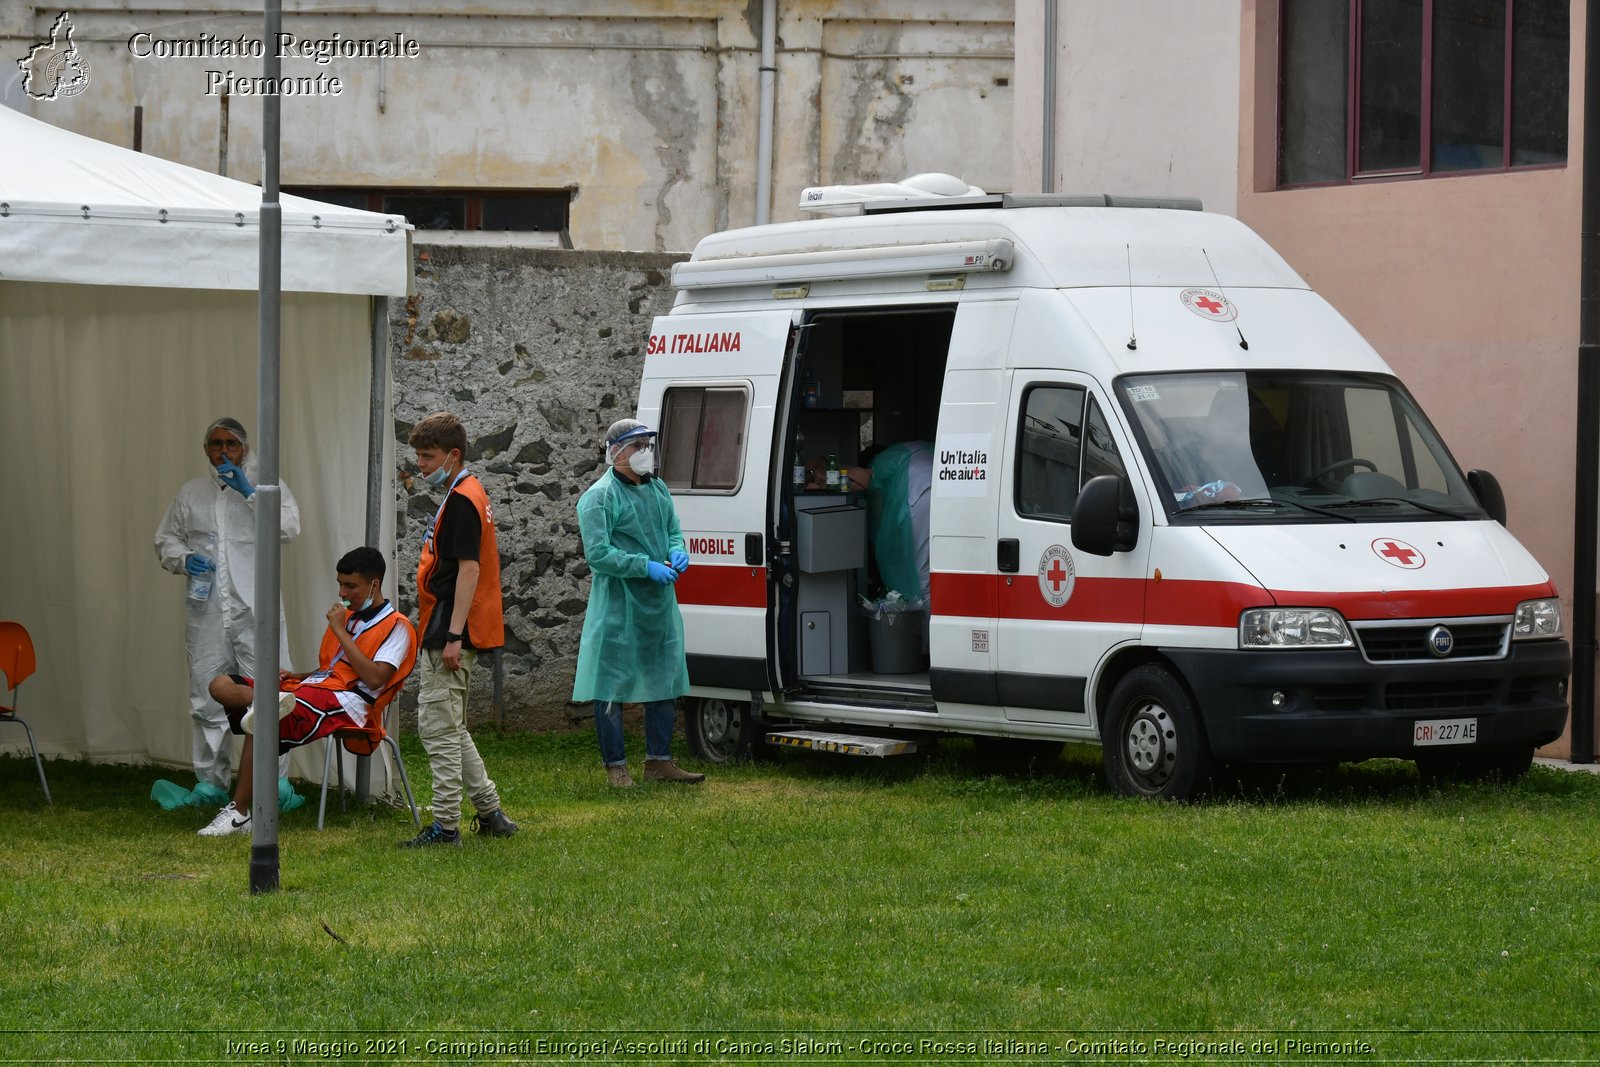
x: 1473, y: 640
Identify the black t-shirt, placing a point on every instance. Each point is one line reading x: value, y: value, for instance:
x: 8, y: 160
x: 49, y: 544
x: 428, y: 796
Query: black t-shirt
x: 460, y: 535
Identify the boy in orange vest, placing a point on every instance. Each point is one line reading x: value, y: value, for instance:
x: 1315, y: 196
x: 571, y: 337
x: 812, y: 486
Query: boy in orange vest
x: 458, y: 615
x: 367, y: 646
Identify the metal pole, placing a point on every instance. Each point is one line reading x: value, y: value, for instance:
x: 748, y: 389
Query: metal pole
x: 768, y: 107
x: 1587, y: 492
x: 1047, y: 140
x: 375, y: 431
x: 222, y: 135
x: 264, y: 800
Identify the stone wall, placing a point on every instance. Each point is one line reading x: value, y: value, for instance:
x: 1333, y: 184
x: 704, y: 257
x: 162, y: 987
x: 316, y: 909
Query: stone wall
x: 537, y: 351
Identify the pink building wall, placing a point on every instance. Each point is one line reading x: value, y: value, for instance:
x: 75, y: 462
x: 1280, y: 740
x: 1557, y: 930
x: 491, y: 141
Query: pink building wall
x: 1468, y: 287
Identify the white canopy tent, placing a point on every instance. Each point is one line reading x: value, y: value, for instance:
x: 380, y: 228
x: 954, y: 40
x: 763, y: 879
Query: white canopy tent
x: 128, y: 322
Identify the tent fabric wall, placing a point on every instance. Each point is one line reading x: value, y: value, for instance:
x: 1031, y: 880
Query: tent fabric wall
x: 105, y: 393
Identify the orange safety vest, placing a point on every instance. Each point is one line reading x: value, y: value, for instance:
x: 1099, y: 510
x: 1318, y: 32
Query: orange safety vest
x: 485, y: 627
x: 338, y: 675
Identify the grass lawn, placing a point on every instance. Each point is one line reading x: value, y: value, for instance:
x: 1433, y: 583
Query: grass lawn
x: 905, y: 909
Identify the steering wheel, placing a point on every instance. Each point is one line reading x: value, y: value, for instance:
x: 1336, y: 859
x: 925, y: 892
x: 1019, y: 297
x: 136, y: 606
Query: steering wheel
x: 1353, y: 461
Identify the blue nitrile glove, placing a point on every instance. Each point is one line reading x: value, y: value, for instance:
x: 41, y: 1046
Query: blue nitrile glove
x: 194, y: 564
x: 234, y: 478
x: 679, y: 560
x: 660, y: 572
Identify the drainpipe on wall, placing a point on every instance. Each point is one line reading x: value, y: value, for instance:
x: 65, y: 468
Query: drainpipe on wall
x: 1587, y: 494
x: 1047, y: 139
x: 769, y: 74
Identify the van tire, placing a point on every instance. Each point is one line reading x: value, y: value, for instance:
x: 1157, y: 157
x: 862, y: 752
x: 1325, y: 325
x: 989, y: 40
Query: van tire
x: 720, y: 731
x: 1154, y: 745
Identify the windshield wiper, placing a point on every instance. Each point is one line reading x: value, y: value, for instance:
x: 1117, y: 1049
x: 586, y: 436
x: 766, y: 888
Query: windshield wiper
x: 1371, y: 500
x: 1255, y: 503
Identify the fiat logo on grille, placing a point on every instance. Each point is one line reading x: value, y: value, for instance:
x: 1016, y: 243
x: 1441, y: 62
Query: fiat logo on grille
x: 1441, y: 641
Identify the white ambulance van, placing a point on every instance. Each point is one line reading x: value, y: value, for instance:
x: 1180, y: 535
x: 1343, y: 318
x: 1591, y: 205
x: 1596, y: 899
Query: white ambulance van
x: 1176, y: 505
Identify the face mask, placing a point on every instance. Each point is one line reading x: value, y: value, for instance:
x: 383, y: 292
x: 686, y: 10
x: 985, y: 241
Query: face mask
x: 438, y: 477
x: 643, y: 461
x: 365, y: 604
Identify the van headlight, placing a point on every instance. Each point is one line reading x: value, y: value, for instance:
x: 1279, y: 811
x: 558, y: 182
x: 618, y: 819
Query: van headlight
x: 1293, y: 628
x: 1536, y: 619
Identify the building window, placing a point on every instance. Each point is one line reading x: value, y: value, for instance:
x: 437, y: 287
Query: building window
x: 701, y: 446
x: 537, y: 210
x: 1411, y: 88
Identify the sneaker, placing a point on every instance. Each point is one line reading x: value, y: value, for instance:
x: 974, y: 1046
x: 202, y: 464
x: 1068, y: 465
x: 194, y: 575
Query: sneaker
x: 228, y: 821
x: 434, y: 835
x: 664, y: 770
x: 494, y: 824
x: 618, y: 777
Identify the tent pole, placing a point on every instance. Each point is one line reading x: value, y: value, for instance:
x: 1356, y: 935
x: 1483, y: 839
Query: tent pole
x: 375, y: 432
x: 264, y: 800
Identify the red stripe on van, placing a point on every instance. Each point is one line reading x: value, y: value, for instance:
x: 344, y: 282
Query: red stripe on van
x: 711, y: 585
x: 1179, y: 602
x: 1420, y: 603
x: 1182, y: 602
x: 1112, y: 600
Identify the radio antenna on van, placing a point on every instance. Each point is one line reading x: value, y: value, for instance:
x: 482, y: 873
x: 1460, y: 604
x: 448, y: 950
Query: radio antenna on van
x: 1133, y: 334
x: 1242, y: 342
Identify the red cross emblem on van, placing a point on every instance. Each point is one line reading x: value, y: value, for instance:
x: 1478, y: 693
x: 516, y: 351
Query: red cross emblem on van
x: 1398, y: 553
x: 1209, y: 304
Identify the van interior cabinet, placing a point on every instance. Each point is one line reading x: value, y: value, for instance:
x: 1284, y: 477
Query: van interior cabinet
x: 830, y: 546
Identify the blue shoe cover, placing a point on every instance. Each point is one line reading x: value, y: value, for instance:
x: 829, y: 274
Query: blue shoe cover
x: 288, y: 799
x: 170, y: 795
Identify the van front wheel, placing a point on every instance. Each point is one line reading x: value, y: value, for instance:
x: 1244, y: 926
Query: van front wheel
x: 719, y: 731
x: 1153, y: 742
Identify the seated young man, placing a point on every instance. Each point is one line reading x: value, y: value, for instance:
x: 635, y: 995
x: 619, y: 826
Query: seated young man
x: 367, y: 645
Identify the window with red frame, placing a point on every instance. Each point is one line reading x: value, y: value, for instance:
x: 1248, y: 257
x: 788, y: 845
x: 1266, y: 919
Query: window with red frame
x: 1417, y: 88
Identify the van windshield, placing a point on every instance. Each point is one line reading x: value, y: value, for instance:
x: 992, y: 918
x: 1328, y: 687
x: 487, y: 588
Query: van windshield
x: 1326, y: 446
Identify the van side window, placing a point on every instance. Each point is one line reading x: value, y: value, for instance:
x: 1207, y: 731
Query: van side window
x: 1101, y: 455
x: 1049, y: 448
x: 702, y: 437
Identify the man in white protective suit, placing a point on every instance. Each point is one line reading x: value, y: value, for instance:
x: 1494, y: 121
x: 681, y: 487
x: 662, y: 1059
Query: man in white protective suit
x: 208, y: 535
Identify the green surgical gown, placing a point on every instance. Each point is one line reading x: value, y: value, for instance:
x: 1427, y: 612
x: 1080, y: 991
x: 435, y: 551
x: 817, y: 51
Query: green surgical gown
x: 632, y: 645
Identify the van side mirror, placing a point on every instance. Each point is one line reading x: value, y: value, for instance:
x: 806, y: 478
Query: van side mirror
x: 1106, y: 518
x: 1486, y: 487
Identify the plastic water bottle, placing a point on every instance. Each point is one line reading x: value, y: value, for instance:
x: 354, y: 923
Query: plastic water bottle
x: 200, y: 584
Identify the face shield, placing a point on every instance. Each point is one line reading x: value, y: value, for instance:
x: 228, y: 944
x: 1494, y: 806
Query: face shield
x: 627, y: 432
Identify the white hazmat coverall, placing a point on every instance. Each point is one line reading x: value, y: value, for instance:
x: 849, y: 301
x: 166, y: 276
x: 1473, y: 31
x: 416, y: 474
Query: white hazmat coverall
x: 220, y: 633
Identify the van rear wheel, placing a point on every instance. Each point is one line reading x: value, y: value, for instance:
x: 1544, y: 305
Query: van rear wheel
x: 720, y: 731
x: 1153, y: 742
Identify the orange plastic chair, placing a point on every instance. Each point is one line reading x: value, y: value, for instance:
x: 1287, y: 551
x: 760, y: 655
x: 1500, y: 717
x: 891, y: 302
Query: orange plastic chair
x: 366, y: 740
x: 17, y: 663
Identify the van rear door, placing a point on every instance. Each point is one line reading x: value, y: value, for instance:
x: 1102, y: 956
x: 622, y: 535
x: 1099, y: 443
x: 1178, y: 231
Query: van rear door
x: 712, y: 385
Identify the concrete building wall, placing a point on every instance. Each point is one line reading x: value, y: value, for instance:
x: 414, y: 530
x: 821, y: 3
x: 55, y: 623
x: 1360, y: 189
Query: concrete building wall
x: 647, y: 109
x: 1146, y: 103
